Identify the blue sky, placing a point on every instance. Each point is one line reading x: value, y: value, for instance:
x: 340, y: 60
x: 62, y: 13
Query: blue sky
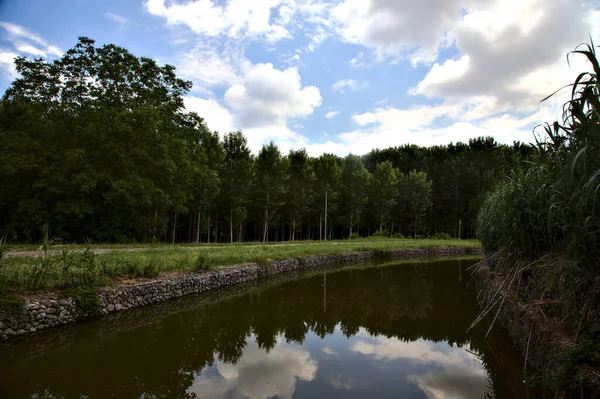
x: 334, y: 75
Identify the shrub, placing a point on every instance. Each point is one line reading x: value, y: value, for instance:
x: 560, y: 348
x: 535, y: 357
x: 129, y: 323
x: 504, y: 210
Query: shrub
x: 381, y: 233
x: 354, y: 236
x: 441, y: 236
x: 553, y: 205
x: 398, y: 235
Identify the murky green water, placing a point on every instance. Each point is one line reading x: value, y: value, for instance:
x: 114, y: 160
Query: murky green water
x: 393, y: 331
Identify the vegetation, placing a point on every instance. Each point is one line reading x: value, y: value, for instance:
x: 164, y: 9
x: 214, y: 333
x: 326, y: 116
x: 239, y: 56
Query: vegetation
x: 98, y: 145
x: 553, y: 205
x: 552, y: 208
x: 75, y: 271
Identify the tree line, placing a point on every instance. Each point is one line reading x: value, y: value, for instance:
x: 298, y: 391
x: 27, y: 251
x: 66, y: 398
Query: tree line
x: 97, y: 145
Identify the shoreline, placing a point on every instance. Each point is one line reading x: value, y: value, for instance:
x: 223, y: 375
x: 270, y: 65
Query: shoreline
x: 50, y: 312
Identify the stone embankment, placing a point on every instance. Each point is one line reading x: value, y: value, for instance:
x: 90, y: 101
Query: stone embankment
x: 38, y: 314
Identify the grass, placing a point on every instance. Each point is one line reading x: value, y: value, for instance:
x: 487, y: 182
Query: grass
x: 73, y: 267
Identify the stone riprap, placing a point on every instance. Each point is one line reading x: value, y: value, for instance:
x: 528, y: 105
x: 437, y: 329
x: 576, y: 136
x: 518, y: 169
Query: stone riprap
x: 38, y: 314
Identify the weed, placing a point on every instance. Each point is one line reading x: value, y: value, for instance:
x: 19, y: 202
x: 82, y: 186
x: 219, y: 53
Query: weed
x: 201, y: 263
x: 11, y: 303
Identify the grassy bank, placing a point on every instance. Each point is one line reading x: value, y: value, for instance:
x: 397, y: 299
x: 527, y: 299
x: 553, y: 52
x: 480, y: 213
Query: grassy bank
x: 72, y: 267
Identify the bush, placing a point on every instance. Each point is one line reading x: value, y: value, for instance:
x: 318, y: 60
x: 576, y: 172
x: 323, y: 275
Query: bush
x: 441, y: 236
x: 553, y: 205
x: 201, y: 263
x: 381, y: 233
x: 354, y: 236
x: 398, y: 235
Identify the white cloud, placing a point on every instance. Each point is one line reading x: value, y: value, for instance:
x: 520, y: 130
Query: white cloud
x: 23, y: 42
x: 331, y: 114
x: 328, y: 351
x: 7, y: 62
x: 456, y: 373
x: 115, y: 17
x: 238, y: 18
x: 358, y: 61
x: 208, y: 65
x: 268, y: 96
x: 511, y: 53
x: 341, y: 85
x: 393, y: 27
x: 216, y: 116
x: 258, y: 374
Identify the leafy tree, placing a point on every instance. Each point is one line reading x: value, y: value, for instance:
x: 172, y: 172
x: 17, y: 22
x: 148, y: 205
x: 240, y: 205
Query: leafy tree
x: 298, y: 188
x: 415, y: 194
x: 355, y: 181
x: 383, y: 191
x: 269, y: 183
x: 327, y: 180
x: 237, y: 177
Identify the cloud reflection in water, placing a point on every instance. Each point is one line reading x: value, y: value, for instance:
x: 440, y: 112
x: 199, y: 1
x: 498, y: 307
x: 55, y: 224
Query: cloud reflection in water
x: 258, y: 374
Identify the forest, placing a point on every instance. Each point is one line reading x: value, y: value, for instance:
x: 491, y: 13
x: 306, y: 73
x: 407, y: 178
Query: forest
x: 98, y: 146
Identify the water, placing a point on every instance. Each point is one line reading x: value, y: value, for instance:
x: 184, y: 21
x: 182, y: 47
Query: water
x: 379, y: 331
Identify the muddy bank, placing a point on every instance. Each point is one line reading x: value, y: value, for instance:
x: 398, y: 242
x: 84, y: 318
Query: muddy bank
x: 552, y: 313
x: 44, y: 313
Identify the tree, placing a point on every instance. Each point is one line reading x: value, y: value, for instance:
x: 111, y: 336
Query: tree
x: 269, y: 183
x: 327, y: 179
x: 298, y: 188
x: 104, y: 130
x: 237, y: 177
x: 355, y: 181
x: 415, y: 194
x: 383, y: 191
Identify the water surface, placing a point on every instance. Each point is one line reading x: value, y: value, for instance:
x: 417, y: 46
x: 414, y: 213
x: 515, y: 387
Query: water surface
x: 386, y: 331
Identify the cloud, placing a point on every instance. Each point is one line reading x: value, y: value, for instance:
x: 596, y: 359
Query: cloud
x: 392, y: 27
x: 216, y: 116
x: 456, y: 373
x: 238, y: 18
x: 258, y: 374
x: 7, y: 62
x: 358, y: 61
x: 341, y: 85
x: 331, y: 114
x: 510, y: 52
x: 117, y: 18
x: 268, y: 96
x: 23, y: 42
x: 328, y: 351
x: 209, y: 65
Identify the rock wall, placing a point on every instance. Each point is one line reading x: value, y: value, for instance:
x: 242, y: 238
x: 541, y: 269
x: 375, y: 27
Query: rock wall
x: 45, y: 313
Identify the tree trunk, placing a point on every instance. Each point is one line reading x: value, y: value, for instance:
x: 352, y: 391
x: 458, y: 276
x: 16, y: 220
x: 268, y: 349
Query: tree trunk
x: 415, y: 227
x: 231, y: 223
x: 351, y: 218
x: 198, y: 225
x: 325, y: 215
x: 320, y: 226
x: 174, y: 226
x: 208, y: 233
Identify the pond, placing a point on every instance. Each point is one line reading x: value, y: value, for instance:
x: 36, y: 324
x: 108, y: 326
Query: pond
x: 393, y: 330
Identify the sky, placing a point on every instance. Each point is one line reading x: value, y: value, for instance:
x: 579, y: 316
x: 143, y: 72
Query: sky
x: 336, y: 76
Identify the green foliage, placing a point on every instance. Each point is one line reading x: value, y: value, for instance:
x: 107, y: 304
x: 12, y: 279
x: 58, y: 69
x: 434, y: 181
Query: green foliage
x: 440, y: 236
x: 11, y: 303
x: 86, y: 297
x: 553, y: 204
x: 98, y: 146
x: 354, y: 236
x: 381, y: 234
x: 398, y: 236
x: 201, y: 263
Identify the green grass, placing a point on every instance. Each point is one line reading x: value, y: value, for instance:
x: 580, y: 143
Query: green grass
x: 73, y: 267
